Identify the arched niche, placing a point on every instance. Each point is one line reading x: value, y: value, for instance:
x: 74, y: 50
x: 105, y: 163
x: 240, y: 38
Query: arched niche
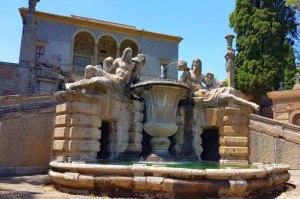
x: 129, y: 43
x: 83, y: 51
x: 294, y: 117
x: 107, y: 47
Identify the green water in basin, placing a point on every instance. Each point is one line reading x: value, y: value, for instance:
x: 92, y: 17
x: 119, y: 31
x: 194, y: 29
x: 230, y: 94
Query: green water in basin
x: 184, y: 165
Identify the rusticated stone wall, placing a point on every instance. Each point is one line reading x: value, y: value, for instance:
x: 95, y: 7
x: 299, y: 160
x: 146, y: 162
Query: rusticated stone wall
x: 78, y: 122
x: 76, y: 132
x: 233, y: 124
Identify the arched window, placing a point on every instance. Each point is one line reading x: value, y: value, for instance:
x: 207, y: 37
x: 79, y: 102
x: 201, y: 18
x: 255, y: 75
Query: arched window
x: 129, y: 43
x: 107, y: 47
x: 83, y: 53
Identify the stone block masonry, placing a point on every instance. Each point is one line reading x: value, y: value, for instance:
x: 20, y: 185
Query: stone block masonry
x: 79, y: 117
x: 26, y: 127
x: 14, y: 79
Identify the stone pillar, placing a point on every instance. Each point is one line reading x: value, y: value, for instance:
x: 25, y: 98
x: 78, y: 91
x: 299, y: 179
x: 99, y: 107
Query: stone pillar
x: 198, y: 124
x: 28, y: 36
x: 27, y: 50
x: 180, y: 122
x: 234, y: 135
x: 119, y: 138
x: 135, y: 119
x: 76, y: 134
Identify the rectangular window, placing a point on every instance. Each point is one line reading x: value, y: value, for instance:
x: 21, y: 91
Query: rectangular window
x: 102, y: 51
x: 39, y: 52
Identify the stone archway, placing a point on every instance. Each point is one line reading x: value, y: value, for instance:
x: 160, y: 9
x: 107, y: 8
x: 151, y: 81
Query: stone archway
x: 83, y: 51
x: 107, y: 47
x: 129, y: 43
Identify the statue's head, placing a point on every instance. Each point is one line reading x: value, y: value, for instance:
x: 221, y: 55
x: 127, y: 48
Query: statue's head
x: 32, y: 3
x: 197, y: 64
x: 127, y: 54
x: 108, y: 60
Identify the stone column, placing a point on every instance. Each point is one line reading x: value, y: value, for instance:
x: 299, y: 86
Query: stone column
x: 234, y: 135
x: 230, y: 56
x: 76, y: 134
x: 96, y: 54
x: 118, y: 52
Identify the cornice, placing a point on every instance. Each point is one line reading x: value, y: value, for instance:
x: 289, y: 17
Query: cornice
x: 103, y: 25
x: 285, y: 94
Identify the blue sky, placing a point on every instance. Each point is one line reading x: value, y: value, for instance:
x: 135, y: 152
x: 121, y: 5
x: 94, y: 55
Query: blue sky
x: 202, y: 24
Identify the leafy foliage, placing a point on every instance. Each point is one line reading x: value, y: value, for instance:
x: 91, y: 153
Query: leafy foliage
x: 265, y: 30
x: 293, y: 2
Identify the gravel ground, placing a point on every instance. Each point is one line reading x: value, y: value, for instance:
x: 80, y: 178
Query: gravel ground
x: 40, y: 186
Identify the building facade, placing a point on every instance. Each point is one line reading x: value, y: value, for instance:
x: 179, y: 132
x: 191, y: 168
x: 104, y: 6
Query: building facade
x: 55, y: 49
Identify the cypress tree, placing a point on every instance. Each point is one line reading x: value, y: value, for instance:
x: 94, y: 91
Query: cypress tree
x: 266, y: 31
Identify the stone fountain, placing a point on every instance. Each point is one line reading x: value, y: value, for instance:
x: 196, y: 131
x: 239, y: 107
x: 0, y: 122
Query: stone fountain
x: 161, y: 99
x: 96, y: 115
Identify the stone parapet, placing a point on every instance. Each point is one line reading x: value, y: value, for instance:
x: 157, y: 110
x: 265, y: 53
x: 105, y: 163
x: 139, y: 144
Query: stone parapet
x: 274, y: 128
x: 278, y: 141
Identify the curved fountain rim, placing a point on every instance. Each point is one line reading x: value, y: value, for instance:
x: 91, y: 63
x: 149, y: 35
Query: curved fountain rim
x: 223, y: 173
x: 161, y: 82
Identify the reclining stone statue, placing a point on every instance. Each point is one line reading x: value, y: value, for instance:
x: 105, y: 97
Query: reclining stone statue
x: 204, y: 98
x: 94, y: 71
x: 99, y: 81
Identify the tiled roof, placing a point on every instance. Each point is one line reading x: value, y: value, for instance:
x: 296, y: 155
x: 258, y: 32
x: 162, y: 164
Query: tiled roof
x: 103, y: 22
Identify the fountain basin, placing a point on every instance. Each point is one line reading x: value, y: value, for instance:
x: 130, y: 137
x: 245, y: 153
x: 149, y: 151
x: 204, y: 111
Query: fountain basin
x: 140, y: 180
x: 160, y: 129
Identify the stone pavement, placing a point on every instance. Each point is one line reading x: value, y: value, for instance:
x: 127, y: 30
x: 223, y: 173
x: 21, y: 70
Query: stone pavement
x: 40, y: 186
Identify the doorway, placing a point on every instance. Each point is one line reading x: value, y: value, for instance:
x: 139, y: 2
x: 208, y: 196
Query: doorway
x: 210, y: 145
x: 105, y: 130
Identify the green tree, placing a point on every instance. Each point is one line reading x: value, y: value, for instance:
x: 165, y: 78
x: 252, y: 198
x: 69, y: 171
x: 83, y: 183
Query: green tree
x: 266, y: 30
x: 293, y: 2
